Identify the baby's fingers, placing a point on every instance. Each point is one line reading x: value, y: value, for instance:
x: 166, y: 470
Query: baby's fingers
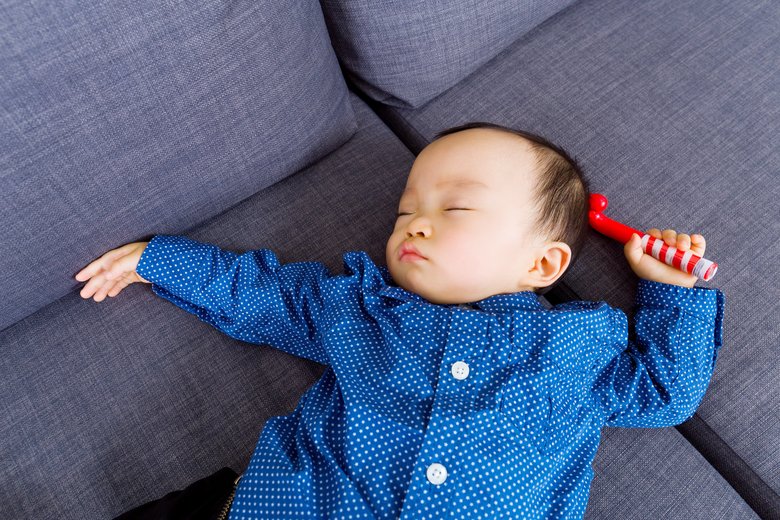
x: 698, y: 244
x: 93, y: 286
x: 683, y: 242
x: 103, y: 291
x: 91, y: 270
x: 670, y: 237
x: 104, y: 261
x: 117, y: 288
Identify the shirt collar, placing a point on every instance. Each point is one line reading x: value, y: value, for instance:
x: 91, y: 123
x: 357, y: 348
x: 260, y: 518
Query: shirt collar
x: 505, y: 302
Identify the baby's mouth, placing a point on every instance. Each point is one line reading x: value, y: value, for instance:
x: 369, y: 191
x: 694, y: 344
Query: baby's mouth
x: 410, y: 257
x: 409, y: 253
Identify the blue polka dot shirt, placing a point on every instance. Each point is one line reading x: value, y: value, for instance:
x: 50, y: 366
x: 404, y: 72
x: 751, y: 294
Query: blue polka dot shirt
x: 491, y: 409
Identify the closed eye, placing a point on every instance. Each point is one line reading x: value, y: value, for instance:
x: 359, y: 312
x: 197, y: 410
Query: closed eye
x: 448, y: 209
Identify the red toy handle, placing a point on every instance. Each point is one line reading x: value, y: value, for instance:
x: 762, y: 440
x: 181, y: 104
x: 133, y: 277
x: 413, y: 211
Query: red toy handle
x: 657, y: 248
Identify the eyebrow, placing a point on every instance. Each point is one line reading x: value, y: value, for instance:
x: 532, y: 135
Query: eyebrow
x: 455, y: 182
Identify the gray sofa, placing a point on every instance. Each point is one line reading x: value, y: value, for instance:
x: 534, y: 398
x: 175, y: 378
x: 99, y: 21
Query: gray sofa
x: 293, y: 125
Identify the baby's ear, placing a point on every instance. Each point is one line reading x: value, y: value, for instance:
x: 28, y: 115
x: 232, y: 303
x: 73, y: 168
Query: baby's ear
x: 552, y: 262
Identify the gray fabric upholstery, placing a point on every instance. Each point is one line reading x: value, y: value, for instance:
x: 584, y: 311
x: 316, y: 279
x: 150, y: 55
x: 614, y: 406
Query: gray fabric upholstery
x: 645, y: 473
x: 673, y: 110
x: 115, y: 121
x: 111, y: 404
x: 406, y: 53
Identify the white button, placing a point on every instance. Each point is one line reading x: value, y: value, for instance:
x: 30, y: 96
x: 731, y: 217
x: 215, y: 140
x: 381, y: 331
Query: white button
x: 460, y: 370
x: 436, y: 473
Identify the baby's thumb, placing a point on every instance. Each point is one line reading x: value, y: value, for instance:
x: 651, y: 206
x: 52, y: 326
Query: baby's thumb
x: 633, y: 249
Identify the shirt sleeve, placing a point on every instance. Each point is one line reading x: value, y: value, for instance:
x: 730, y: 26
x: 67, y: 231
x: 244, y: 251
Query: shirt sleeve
x: 249, y: 296
x: 660, y: 379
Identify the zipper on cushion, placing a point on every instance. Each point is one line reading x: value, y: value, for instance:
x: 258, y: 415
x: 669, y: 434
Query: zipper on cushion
x: 226, y: 507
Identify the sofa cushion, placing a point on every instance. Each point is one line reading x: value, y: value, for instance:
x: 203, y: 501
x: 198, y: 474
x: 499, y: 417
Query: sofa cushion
x: 655, y: 473
x: 406, y: 53
x: 108, y: 405
x: 673, y: 109
x: 116, y: 121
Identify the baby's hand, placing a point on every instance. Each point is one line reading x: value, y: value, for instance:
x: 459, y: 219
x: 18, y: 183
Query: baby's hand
x: 647, y: 267
x: 112, y: 272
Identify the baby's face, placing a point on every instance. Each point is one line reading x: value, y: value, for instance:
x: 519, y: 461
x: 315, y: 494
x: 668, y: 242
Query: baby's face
x: 468, y: 209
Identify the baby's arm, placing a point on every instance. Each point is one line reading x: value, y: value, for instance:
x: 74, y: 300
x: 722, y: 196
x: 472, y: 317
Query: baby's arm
x: 249, y: 296
x: 660, y: 379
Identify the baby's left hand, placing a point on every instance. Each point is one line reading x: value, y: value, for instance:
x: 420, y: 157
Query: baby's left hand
x: 647, y: 267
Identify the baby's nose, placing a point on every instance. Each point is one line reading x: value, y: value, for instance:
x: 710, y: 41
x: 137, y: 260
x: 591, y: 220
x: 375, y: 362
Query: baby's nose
x: 418, y: 227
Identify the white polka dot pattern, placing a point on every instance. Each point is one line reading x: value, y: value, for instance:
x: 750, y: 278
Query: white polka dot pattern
x: 491, y: 409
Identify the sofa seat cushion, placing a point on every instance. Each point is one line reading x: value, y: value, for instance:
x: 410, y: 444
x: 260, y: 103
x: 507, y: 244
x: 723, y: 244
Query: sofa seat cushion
x: 655, y: 473
x: 108, y: 405
x: 117, y: 121
x: 673, y: 110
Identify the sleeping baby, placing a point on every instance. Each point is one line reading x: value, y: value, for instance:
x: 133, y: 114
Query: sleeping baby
x: 450, y: 389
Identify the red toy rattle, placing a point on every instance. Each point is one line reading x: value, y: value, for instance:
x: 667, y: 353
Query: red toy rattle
x: 657, y: 248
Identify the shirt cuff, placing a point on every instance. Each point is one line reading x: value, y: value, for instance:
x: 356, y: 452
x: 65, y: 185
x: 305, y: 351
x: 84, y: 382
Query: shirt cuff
x: 700, y: 301
x: 155, y: 251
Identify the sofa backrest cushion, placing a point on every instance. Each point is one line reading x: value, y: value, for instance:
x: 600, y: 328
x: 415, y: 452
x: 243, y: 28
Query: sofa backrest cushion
x: 404, y: 54
x: 118, y: 122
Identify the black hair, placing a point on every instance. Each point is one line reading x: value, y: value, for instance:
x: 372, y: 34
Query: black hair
x: 562, y: 191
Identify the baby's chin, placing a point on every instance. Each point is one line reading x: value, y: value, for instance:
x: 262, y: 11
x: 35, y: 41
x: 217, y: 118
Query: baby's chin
x: 431, y: 295
x: 426, y: 282
x: 409, y: 283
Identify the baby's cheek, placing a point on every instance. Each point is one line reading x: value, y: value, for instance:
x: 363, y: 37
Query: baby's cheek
x: 469, y: 253
x: 457, y: 243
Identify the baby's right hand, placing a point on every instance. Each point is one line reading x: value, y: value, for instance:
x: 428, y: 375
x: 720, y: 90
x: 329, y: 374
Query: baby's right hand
x: 112, y: 272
